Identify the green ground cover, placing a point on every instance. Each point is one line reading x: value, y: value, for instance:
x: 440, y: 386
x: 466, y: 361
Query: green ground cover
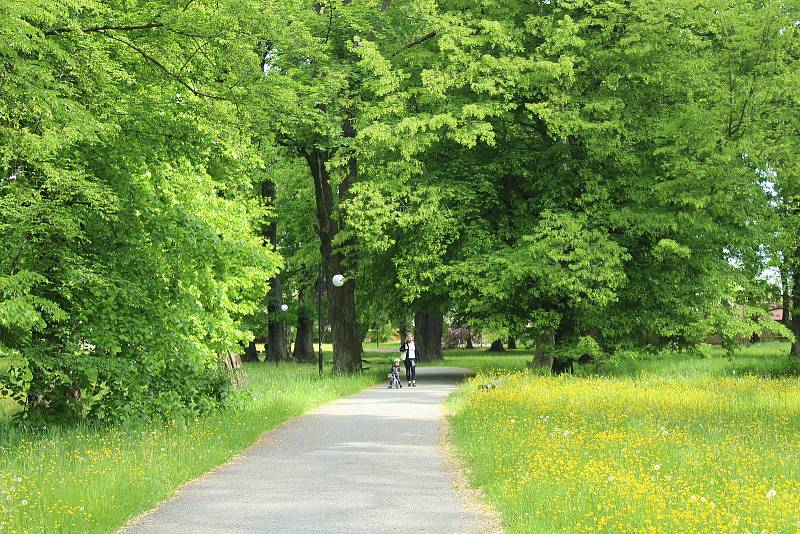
x: 87, y: 479
x: 678, y: 444
x: 477, y: 359
x: 480, y: 360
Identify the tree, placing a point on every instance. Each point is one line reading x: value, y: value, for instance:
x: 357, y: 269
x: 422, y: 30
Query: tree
x: 304, y: 340
x: 581, y: 187
x: 126, y: 204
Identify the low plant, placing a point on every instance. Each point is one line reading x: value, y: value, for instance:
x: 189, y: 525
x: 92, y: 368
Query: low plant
x: 689, y: 445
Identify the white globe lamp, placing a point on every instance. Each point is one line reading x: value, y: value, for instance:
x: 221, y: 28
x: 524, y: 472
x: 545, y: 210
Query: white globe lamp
x: 284, y: 307
x: 338, y: 280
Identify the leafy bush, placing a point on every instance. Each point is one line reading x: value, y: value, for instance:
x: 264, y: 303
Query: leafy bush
x: 131, y: 223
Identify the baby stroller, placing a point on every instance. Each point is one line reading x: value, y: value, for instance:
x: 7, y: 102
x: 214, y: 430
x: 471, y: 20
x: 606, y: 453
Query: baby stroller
x: 394, y: 375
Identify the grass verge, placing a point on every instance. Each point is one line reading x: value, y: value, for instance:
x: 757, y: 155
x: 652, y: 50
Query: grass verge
x: 676, y: 445
x: 470, y: 359
x: 94, y: 480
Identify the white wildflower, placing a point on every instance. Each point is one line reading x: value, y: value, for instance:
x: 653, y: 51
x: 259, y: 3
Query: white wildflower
x: 771, y: 494
x: 657, y: 467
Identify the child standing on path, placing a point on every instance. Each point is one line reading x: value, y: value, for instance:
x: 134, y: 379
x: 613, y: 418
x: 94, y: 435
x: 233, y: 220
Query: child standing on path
x: 408, y: 349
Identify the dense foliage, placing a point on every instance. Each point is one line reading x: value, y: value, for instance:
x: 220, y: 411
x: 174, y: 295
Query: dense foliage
x: 585, y: 175
x: 611, y: 178
x: 126, y: 212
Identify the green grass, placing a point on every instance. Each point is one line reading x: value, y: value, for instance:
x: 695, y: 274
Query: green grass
x: 87, y: 479
x: 668, y: 444
x: 480, y: 360
x: 389, y: 345
x: 7, y: 409
x: 472, y: 359
x: 770, y: 360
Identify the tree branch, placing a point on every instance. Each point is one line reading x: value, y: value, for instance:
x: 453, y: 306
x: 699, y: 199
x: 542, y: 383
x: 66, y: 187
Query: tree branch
x: 416, y: 42
x: 147, y: 26
x: 330, y: 23
x: 158, y: 64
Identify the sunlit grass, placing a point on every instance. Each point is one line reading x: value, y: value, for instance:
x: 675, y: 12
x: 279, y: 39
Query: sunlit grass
x: 7, y: 408
x: 677, y: 445
x: 478, y: 359
x: 93, y: 480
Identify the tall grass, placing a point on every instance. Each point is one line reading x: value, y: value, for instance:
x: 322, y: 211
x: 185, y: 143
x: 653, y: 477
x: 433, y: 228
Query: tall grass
x: 762, y: 359
x: 89, y: 479
x: 679, y: 444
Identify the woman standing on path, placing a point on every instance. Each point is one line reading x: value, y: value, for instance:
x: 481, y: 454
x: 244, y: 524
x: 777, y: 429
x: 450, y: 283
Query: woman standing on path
x: 409, y: 351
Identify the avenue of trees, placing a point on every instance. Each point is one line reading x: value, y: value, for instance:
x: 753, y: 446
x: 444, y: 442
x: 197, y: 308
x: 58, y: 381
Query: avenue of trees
x: 585, y: 176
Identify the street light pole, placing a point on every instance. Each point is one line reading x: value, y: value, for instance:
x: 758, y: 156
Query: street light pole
x: 319, y: 310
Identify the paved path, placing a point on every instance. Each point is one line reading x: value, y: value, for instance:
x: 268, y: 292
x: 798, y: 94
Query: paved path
x: 368, y: 463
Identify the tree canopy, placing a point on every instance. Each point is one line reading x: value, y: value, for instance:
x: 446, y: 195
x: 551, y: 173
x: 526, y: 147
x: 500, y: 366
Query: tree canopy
x: 572, y: 173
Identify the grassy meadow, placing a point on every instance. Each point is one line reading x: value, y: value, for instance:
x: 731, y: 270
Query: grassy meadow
x: 94, y: 480
x: 674, y: 444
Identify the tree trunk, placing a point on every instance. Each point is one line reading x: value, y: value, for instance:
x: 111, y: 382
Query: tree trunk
x: 428, y: 337
x: 403, y: 332
x: 512, y: 343
x: 786, y: 296
x: 304, y: 340
x: 543, y: 354
x: 276, y: 333
x: 250, y: 353
x: 497, y: 346
x: 341, y: 300
x: 541, y: 358
x: 795, y: 321
x: 755, y: 337
x: 469, y: 338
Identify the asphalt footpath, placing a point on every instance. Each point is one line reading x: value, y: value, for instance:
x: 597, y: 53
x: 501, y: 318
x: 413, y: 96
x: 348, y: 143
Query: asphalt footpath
x: 367, y: 463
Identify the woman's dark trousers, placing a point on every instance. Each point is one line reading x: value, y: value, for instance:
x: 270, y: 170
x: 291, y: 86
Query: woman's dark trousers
x: 411, y: 369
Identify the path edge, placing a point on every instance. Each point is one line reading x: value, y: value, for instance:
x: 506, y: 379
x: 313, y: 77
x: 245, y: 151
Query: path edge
x: 262, y: 439
x: 478, y: 506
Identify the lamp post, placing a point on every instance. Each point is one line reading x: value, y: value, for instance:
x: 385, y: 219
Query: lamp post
x: 274, y: 324
x: 338, y: 281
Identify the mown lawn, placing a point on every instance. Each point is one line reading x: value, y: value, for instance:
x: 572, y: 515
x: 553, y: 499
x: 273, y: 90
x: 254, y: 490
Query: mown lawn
x: 661, y: 445
x: 94, y: 480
